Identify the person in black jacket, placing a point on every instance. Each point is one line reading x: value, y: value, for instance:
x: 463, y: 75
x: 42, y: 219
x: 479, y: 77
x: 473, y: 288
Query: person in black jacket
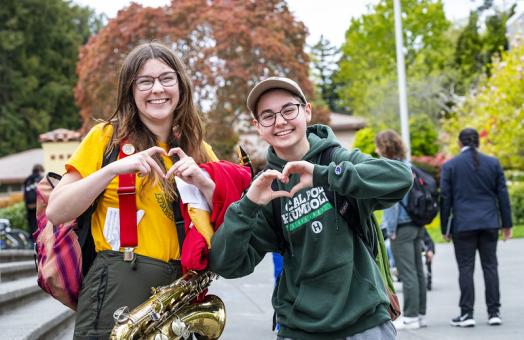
x: 475, y: 205
x: 30, y: 184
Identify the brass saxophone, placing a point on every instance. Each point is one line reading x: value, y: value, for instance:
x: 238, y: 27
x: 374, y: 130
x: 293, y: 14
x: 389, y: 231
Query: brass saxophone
x: 172, y: 313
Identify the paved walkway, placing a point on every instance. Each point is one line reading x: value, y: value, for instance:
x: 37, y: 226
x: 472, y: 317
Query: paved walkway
x: 249, y: 311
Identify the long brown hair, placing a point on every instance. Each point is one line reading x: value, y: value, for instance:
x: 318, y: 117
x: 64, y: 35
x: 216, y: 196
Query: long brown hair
x: 187, y: 127
x: 390, y: 145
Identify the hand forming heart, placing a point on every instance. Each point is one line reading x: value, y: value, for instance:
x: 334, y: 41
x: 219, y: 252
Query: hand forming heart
x: 302, y: 168
x: 261, y: 192
x: 186, y: 168
x: 140, y: 162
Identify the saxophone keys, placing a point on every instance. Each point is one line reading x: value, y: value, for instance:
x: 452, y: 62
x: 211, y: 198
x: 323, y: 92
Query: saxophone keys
x: 180, y: 328
x: 121, y: 315
x: 161, y: 337
x: 154, y: 316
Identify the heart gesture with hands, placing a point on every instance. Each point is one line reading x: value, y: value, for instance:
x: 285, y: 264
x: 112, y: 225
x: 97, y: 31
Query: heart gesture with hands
x: 302, y: 168
x: 141, y: 163
x: 187, y: 169
x: 260, y: 191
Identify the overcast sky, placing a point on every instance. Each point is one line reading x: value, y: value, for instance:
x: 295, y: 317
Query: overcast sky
x: 328, y: 17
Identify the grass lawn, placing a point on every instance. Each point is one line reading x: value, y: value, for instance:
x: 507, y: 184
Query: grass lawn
x: 434, y: 229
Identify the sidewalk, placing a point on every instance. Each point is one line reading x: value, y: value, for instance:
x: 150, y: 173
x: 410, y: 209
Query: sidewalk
x: 443, y: 299
x: 249, y: 311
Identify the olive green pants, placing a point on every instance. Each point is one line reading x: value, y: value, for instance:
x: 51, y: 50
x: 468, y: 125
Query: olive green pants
x: 112, y: 283
x: 407, y: 252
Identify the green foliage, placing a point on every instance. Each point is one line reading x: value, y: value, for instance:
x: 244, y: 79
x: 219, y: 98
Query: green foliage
x: 516, y: 194
x: 435, y: 233
x: 368, y: 63
x: 365, y: 141
x: 16, y: 213
x: 496, y: 110
x: 475, y: 51
x: 518, y: 231
x: 323, y: 60
x: 39, y: 42
x: 423, y: 136
x: 468, y: 51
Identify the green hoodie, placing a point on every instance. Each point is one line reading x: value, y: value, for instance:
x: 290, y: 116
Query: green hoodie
x: 330, y: 286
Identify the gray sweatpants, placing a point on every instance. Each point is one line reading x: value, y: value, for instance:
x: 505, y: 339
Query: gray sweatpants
x: 386, y: 331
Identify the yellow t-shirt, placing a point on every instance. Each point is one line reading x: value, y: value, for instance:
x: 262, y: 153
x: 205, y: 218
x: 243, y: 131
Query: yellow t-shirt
x: 157, y: 235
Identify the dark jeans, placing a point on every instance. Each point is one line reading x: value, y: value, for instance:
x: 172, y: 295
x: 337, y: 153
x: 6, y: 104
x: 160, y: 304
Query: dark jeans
x: 466, y: 244
x: 407, y: 251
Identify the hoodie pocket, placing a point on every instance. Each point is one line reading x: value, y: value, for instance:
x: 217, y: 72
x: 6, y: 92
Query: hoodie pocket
x: 323, y: 296
x: 333, y: 300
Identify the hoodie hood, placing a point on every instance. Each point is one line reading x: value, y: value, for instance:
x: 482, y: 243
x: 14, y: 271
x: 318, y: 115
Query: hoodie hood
x: 320, y: 137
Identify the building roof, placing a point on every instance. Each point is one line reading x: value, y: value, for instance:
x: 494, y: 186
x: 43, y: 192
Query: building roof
x: 60, y: 135
x: 16, y: 167
x: 340, y: 122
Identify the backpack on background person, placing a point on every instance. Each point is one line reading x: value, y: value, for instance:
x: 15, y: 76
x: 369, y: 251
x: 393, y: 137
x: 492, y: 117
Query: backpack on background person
x: 423, y: 198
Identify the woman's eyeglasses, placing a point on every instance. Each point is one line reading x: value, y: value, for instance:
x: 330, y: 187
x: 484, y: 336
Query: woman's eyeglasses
x: 166, y: 79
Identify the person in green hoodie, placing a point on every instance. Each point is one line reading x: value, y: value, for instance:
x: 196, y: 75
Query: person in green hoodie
x: 330, y: 287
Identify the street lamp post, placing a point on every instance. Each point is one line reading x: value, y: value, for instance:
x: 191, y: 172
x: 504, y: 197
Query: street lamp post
x: 401, y: 73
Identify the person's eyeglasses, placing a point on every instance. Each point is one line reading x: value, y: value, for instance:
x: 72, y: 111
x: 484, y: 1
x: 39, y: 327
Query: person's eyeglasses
x: 145, y: 83
x: 288, y: 112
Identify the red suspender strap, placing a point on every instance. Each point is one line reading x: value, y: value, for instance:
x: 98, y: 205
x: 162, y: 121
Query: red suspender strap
x: 127, y: 205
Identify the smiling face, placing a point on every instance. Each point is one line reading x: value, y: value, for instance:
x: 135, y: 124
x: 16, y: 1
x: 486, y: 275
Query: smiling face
x: 288, y: 137
x: 156, y: 105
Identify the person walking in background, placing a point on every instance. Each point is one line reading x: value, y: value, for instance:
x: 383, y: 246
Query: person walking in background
x: 475, y: 205
x: 29, y: 188
x: 406, y: 242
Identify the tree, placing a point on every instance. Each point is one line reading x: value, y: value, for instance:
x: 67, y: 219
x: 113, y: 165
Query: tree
x: 365, y: 141
x: 227, y: 45
x: 495, y: 109
x: 39, y: 43
x: 324, y: 59
x: 475, y: 50
x: 368, y: 55
x: 423, y: 136
x: 468, y: 51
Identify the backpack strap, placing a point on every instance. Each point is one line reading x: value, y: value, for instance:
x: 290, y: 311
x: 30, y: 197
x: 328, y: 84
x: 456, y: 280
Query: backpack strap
x: 348, y: 208
x: 85, y: 238
x: 179, y: 221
